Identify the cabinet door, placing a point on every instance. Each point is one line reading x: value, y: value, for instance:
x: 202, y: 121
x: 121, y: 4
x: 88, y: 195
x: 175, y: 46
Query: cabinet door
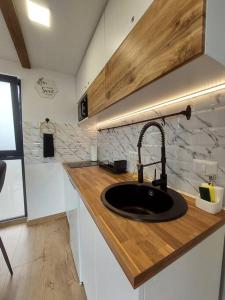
x: 95, y: 55
x: 96, y: 95
x: 81, y: 79
x: 72, y: 200
x: 67, y: 195
x: 120, y: 18
x: 70, y: 194
x: 195, y: 275
x: 87, y: 243
x: 75, y: 239
x: 93, y: 61
x: 112, y: 284
x: 169, y: 34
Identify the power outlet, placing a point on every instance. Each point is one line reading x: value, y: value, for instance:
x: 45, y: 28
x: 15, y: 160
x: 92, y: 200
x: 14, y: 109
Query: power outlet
x: 205, y: 167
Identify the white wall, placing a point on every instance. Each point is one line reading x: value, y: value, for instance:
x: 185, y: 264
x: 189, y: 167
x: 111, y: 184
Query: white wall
x: 11, y: 196
x: 45, y: 189
x: 45, y: 195
x: 62, y: 108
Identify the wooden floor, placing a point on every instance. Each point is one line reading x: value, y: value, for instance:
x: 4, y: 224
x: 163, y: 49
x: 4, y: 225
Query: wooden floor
x: 42, y: 263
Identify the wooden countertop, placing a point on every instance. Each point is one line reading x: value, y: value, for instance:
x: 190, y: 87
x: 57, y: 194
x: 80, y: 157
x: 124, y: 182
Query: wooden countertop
x: 142, y: 249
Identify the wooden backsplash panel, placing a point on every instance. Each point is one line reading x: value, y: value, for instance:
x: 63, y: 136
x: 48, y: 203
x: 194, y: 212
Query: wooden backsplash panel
x: 170, y: 34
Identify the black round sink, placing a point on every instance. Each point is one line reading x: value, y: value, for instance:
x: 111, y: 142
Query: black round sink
x: 143, y: 202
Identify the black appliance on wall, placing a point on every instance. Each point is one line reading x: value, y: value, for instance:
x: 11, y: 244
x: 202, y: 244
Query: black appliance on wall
x: 83, y: 108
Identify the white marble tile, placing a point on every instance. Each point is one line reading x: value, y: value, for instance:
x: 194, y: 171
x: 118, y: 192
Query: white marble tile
x: 70, y: 143
x: 202, y: 137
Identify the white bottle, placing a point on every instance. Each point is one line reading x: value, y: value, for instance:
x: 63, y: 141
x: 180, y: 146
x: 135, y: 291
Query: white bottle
x: 93, y: 152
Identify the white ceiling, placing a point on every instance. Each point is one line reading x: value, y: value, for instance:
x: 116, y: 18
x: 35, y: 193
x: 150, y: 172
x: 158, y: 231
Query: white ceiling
x: 62, y: 46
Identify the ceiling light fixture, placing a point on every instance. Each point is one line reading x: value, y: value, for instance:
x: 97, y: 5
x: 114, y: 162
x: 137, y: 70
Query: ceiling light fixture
x: 163, y: 104
x: 38, y: 13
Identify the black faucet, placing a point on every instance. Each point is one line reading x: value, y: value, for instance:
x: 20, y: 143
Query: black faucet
x: 162, y: 182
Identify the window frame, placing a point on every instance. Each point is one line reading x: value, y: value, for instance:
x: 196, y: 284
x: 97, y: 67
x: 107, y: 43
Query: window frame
x: 15, y: 85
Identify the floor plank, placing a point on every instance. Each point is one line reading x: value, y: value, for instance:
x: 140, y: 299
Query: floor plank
x: 42, y: 263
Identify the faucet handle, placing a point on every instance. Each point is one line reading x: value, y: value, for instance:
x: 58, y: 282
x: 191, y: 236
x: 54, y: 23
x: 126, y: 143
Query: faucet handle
x: 156, y: 182
x: 140, y: 172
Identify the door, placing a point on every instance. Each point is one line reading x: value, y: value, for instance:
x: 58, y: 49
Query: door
x: 87, y: 246
x: 111, y: 282
x: 72, y: 202
x: 12, y: 197
x: 95, y: 55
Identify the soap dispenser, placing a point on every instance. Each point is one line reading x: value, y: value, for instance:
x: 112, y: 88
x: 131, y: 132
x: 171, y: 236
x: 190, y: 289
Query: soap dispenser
x: 93, y: 151
x: 210, y: 198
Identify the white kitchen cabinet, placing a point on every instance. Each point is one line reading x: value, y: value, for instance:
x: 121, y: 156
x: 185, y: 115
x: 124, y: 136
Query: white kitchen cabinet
x: 111, y: 281
x: 72, y: 202
x: 82, y: 79
x: 120, y: 18
x: 87, y: 246
x: 66, y: 194
x: 95, y: 56
x: 195, y: 275
x: 71, y: 196
x: 102, y: 276
x: 93, y: 61
x: 116, y: 22
x: 75, y: 240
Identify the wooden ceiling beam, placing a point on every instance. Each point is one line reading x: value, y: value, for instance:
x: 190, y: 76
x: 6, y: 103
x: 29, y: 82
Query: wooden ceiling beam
x: 12, y: 22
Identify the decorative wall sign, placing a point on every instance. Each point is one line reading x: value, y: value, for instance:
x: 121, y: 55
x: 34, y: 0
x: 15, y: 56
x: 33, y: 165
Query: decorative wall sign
x: 46, y: 88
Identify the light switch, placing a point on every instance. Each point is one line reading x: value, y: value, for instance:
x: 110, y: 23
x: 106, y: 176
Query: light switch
x: 205, y: 167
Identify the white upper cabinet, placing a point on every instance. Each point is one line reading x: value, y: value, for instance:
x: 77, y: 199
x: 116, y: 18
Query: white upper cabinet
x: 81, y: 79
x: 93, y: 61
x: 117, y: 21
x: 95, y: 56
x: 215, y: 27
x: 120, y: 18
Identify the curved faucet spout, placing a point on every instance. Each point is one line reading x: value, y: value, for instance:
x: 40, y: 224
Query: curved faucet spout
x: 163, y: 177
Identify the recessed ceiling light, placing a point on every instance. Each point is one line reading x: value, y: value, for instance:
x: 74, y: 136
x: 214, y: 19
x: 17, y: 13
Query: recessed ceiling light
x: 38, y: 13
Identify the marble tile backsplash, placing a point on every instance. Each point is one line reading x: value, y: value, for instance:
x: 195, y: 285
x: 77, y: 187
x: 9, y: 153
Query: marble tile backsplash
x: 71, y: 143
x: 203, y: 137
